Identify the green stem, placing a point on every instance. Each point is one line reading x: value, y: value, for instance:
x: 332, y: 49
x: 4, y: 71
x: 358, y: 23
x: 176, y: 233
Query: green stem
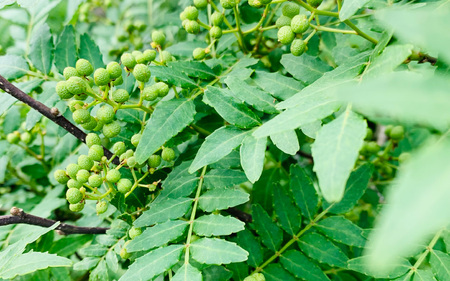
x: 136, y: 184
x: 360, y: 32
x: 266, y: 10
x: 335, y: 30
x: 213, y: 47
x: 238, y: 26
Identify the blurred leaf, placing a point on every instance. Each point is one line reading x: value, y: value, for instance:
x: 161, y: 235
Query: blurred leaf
x: 100, y: 272
x: 391, y: 57
x: 41, y: 49
x: 361, y: 265
x: 252, y: 157
x: 323, y: 250
x: 341, y: 230
x: 163, y: 211
x: 217, y: 225
x: 303, y: 191
x: 13, y: 67
x: 89, y: 50
x: 217, y: 251
x: 221, y: 199
x: 271, y: 235
x: 350, y: 7
x: 301, y: 267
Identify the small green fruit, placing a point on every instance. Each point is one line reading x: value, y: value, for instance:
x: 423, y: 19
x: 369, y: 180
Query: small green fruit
x: 95, y: 180
x: 285, y: 35
x: 81, y: 116
x: 113, y: 176
x: 298, y: 47
x: 128, y: 60
x: 120, y: 95
x: 135, y: 139
x: 299, y: 24
x: 163, y: 89
x: 192, y: 27
x: 73, y: 195
x: 105, y: 114
x: 228, y: 4
x: 83, y: 176
x: 96, y: 152
x: 61, y: 176
x: 290, y: 9
x: 314, y: 3
x: 101, y: 207
x: 166, y: 56
x: 75, y: 104
x: 200, y: 4
x: 215, y: 32
x: 114, y: 70
x: 369, y: 134
x: 101, y: 77
x: 84, y: 67
x: 62, y: 91
x: 397, y: 133
x: 131, y: 161
x: 404, y: 157
x: 118, y: 81
x: 255, y: 3
x: 76, y: 85
x: 217, y: 18
x: 13, y: 138
x: 387, y: 129
x: 154, y: 161
x: 372, y: 147
x: 124, y: 185
x: 124, y: 254
x: 111, y: 130
x: 76, y: 207
x: 84, y: 162
x: 158, y: 37
x: 72, y: 170
x: 70, y: 72
x: 119, y: 148
x: 283, y: 21
x: 150, y: 93
x: 142, y: 73
x: 93, y: 138
x: 72, y: 183
x: 168, y: 154
x: 25, y: 137
x: 90, y: 125
x: 149, y: 55
x: 191, y: 13
x: 198, y: 53
x: 134, y: 232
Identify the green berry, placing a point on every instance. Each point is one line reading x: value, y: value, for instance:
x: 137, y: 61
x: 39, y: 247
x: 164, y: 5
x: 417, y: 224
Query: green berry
x: 129, y: 153
x: 192, y: 27
x: 70, y: 72
x: 283, y: 21
x: 369, y: 134
x: 150, y: 93
x: 131, y: 161
x: 73, y: 195
x: 119, y: 148
x: 152, y: 187
x: 95, y: 180
x: 228, y: 4
x: 387, y: 129
x: 13, y: 138
x: 81, y: 116
x: 158, y: 37
x: 96, y: 152
x: 101, y: 77
x: 76, y: 207
x: 299, y: 24
x: 217, y: 18
x: 73, y: 183
x: 128, y: 60
x: 105, y: 114
x: 255, y: 3
x: 397, y: 133
x: 84, y: 162
x: 404, y: 157
x: 372, y: 147
x: 84, y: 67
x: 134, y: 232
x: 124, y: 185
x: 90, y: 125
x: 75, y: 104
x: 93, y: 138
x: 83, y: 176
x: 215, y: 32
x: 76, y: 85
x: 25, y: 137
x: 61, y: 176
x: 200, y: 4
x: 140, y: 59
x: 111, y: 130
x: 154, y: 161
x: 166, y: 56
x: 136, y: 53
x: 285, y: 35
x: 298, y: 47
x: 163, y: 89
x: 135, y: 139
x: 142, y: 73
x: 62, y: 91
x: 114, y: 70
x: 120, y: 95
x: 124, y: 254
x: 72, y: 170
x: 113, y: 176
x: 198, y: 53
x: 118, y: 81
x: 101, y: 207
x: 168, y: 154
x: 290, y: 9
x: 149, y: 55
x: 81, y: 96
x: 191, y: 13
x: 314, y: 3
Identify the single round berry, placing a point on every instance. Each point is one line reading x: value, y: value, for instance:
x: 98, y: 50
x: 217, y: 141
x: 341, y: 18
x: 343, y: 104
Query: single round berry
x: 387, y: 129
x: 96, y: 152
x: 73, y: 183
x: 135, y: 139
x: 128, y: 60
x: 124, y: 185
x: 154, y: 161
x: 73, y: 195
x: 298, y: 47
x: 397, y: 133
x: 13, y: 138
x: 290, y: 9
x: 93, y: 138
x: 76, y: 85
x: 70, y: 72
x: 215, y: 32
x: 105, y: 114
x: 158, y: 37
x: 285, y: 35
x: 152, y: 187
x: 62, y: 91
x: 369, y: 134
x: 72, y: 170
x: 192, y: 27
x: 81, y: 96
x: 101, y: 77
x: 198, y: 53
x: 114, y: 70
x: 76, y: 207
x: 113, y: 176
x: 299, y: 24
x: 131, y: 161
x: 136, y: 53
x: 61, y: 176
x: 118, y: 81
x: 140, y: 59
x: 141, y: 72
x: 217, y: 18
x: 166, y: 56
x: 191, y: 13
x: 200, y: 4
x: 25, y: 137
x: 150, y: 93
x: 84, y: 162
x: 372, y: 147
x: 84, y: 67
x: 101, y: 207
x: 168, y: 154
x: 228, y: 4
x: 404, y: 157
x: 120, y: 95
x: 75, y: 104
x: 149, y: 55
x: 90, y: 125
x: 124, y: 254
x: 83, y: 175
x: 119, y: 148
x: 111, y: 130
x: 255, y: 3
x: 314, y: 3
x: 95, y: 180
x: 283, y: 21
x: 81, y: 116
x: 134, y: 232
x: 163, y: 89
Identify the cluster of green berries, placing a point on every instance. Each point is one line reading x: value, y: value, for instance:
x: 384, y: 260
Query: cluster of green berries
x: 16, y: 137
x: 189, y: 19
x: 292, y: 24
x: 129, y: 36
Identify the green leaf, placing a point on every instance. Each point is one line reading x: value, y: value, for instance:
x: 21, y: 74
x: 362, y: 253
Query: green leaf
x: 90, y: 51
x: 224, y: 178
x: 335, y: 152
x: 286, y: 141
x: 305, y: 68
x: 277, y: 85
x: 301, y: 267
x: 217, y: 251
x: 193, y: 68
x: 274, y: 272
x: 157, y: 235
x: 218, y: 273
x: 86, y: 263
x: 361, y: 265
x: 187, y: 273
x: 252, y: 95
x: 323, y: 250
x: 221, y: 199
x: 440, y: 264
x: 13, y: 67
x: 65, y: 50
x: 418, y: 207
x: 41, y: 49
x: 342, y: 230
x: 230, y: 109
x: 94, y: 250
x: 356, y: 186
x: 350, y: 7
x: 252, y: 157
x: 153, y: 263
x: 68, y: 245
x: 217, y: 145
x: 288, y: 214
x: 100, y: 272
x: 248, y: 242
x: 111, y: 261
x: 172, y: 76
x: 163, y: 211
x: 179, y: 183
x: 217, y: 225
x: 303, y: 191
x: 271, y: 235
x: 168, y: 119
x: 423, y: 275
x: 391, y: 57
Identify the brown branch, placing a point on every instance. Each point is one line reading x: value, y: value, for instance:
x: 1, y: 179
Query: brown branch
x: 305, y: 155
x: 19, y: 216
x: 241, y: 215
x: 51, y: 113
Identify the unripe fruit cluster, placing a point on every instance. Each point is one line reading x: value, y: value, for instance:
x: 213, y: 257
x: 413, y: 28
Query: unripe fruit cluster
x: 291, y: 24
